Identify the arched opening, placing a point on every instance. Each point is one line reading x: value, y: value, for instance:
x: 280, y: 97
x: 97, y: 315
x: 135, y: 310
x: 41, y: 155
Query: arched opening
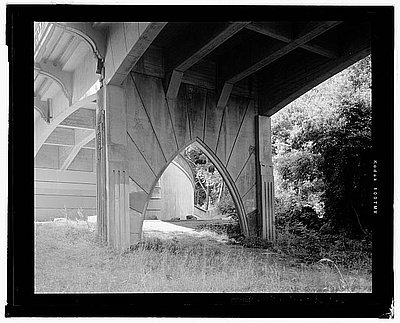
x: 177, y: 158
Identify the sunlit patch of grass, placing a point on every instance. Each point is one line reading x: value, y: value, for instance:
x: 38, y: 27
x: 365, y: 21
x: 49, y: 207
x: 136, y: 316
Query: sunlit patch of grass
x: 68, y: 259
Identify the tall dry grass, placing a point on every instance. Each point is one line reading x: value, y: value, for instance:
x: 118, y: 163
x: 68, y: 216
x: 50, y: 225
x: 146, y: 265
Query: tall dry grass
x: 68, y: 259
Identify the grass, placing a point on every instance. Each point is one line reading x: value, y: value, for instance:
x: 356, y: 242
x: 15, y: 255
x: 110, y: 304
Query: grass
x: 68, y: 259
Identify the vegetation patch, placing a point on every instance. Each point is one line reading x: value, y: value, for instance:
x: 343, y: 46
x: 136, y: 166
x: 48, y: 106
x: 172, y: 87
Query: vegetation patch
x: 231, y: 228
x: 69, y: 259
x: 305, y: 246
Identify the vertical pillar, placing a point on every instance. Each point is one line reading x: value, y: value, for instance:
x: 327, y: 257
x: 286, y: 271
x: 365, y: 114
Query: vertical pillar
x: 101, y: 169
x: 112, y: 178
x: 265, y: 179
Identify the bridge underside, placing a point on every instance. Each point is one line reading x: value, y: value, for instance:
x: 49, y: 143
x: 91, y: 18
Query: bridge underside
x: 164, y: 86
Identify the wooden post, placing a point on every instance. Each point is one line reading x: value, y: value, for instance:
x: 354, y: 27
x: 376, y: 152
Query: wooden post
x: 112, y: 168
x: 265, y: 179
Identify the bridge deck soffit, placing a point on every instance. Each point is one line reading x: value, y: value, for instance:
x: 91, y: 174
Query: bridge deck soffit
x: 236, y: 49
x: 284, y: 33
x: 180, y: 61
x: 60, y: 49
x: 236, y: 54
x: 238, y: 67
x: 290, y: 79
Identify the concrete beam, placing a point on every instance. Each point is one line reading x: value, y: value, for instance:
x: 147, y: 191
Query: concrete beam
x: 66, y: 55
x: 298, y: 77
x: 276, y: 30
x: 42, y: 37
x: 262, y: 57
x: 62, y: 137
x: 54, y: 72
x: 174, y: 84
x: 225, y: 94
x: 43, y: 130
x: 186, y: 57
x: 189, y: 57
x: 81, y: 119
x: 282, y: 32
x: 126, y: 43
x: 68, y: 154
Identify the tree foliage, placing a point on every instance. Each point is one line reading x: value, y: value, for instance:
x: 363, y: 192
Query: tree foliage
x: 322, y: 145
x: 208, y: 181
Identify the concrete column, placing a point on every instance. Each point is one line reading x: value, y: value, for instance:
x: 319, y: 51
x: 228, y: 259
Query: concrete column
x: 265, y: 179
x: 113, y: 180
x: 101, y: 168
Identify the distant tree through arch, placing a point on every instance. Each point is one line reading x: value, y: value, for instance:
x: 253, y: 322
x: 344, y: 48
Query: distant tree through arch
x: 224, y: 174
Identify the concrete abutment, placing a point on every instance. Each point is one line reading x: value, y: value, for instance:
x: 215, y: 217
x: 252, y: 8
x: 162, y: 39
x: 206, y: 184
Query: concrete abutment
x: 140, y: 131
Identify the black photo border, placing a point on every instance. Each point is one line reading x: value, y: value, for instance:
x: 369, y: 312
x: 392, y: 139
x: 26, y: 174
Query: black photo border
x: 22, y: 302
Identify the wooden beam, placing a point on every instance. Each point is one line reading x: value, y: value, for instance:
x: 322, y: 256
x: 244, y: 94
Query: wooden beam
x: 263, y: 58
x: 282, y: 32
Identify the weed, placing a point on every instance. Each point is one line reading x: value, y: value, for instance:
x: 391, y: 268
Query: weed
x: 68, y: 259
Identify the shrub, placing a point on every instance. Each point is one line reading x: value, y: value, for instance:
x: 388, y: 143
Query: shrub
x: 226, y: 205
x: 231, y: 229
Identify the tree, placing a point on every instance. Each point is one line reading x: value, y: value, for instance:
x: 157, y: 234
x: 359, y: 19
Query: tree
x: 209, y: 183
x: 322, y: 146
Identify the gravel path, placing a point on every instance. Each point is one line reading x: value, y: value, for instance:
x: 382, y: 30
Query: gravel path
x: 165, y: 230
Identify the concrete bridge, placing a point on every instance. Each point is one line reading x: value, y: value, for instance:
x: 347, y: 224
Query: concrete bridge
x: 117, y: 102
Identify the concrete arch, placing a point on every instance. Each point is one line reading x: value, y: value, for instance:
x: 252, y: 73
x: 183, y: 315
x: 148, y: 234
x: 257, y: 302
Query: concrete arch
x: 89, y: 35
x: 146, y: 131
x: 44, y: 129
x: 185, y: 172
x: 221, y: 169
x: 41, y: 107
x: 63, y: 79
